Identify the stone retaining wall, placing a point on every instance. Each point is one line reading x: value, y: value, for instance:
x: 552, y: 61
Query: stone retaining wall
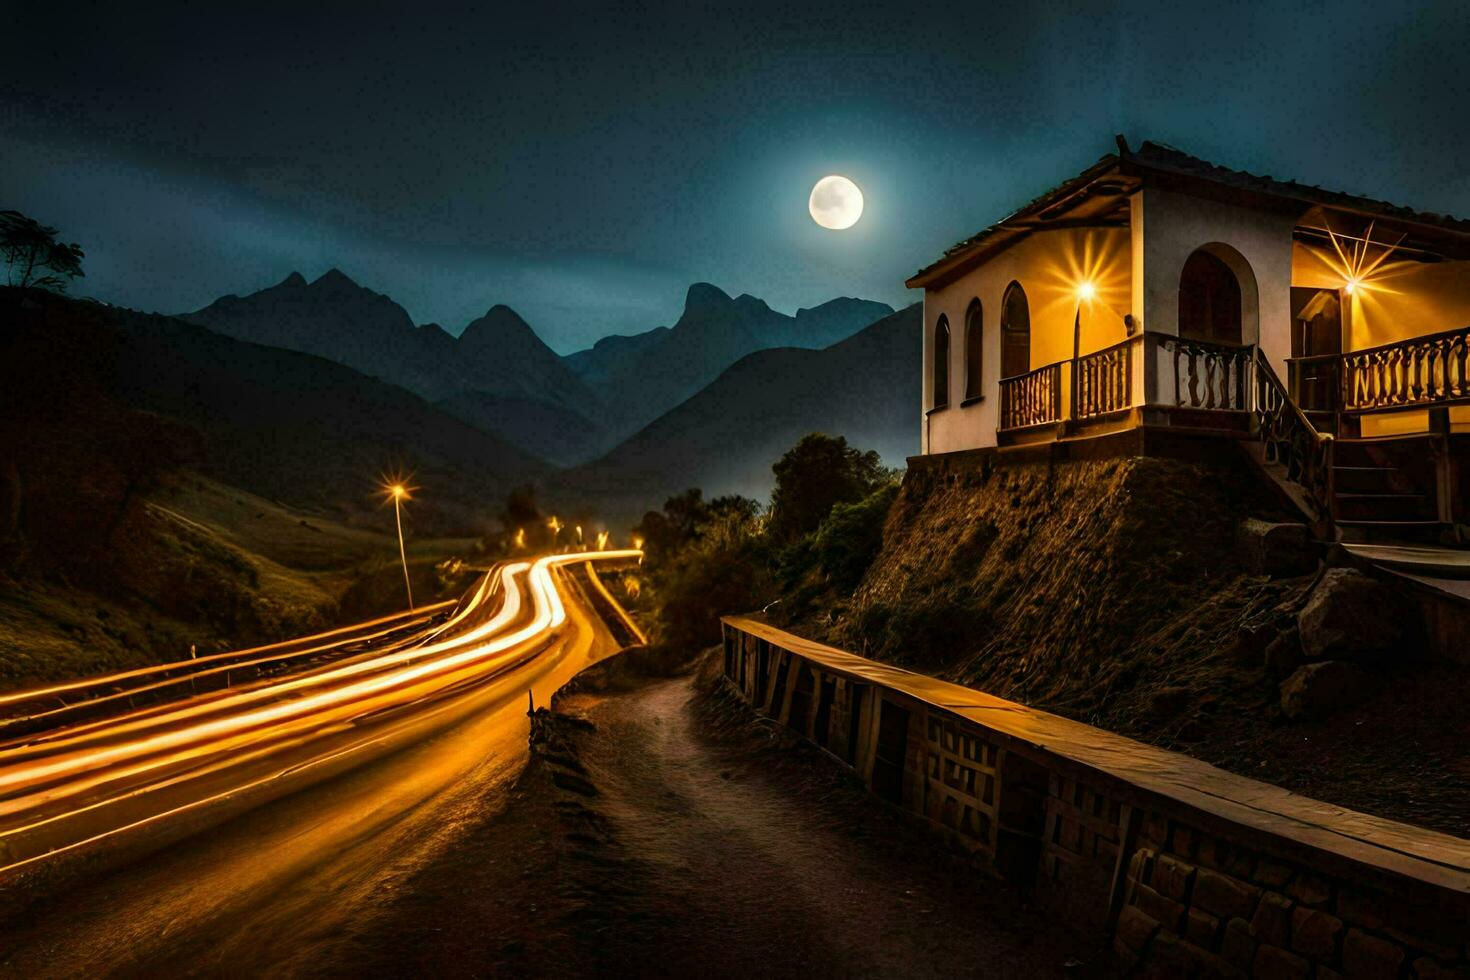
x: 1183, y: 889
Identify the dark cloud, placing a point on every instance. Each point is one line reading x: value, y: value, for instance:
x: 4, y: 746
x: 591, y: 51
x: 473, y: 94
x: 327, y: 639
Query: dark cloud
x: 582, y: 163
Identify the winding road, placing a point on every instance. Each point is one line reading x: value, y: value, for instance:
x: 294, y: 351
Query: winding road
x: 277, y: 792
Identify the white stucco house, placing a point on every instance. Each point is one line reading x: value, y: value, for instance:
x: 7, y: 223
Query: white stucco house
x: 1156, y: 301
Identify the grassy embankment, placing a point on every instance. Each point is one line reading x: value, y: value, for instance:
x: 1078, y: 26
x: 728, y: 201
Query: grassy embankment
x: 219, y: 568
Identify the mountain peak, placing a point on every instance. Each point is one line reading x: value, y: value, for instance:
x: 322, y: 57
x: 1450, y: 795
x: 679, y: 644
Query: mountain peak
x: 294, y: 279
x: 499, y: 325
x: 334, y: 277
x: 703, y: 297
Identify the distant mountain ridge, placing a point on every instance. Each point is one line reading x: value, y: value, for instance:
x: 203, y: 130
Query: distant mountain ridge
x: 649, y: 374
x: 725, y: 438
x: 499, y: 375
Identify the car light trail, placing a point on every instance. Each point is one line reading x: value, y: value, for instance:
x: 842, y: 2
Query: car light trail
x: 73, y: 775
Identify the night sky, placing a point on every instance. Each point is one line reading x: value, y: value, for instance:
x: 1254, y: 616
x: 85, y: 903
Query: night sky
x: 584, y: 165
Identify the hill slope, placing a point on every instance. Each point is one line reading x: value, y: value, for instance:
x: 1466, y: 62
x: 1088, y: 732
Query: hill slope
x: 288, y: 426
x: 726, y: 437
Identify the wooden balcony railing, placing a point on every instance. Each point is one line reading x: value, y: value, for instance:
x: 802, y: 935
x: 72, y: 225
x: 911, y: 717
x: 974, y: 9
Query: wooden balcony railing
x: 1033, y: 398
x: 1103, y: 381
x: 1209, y: 376
x: 1419, y: 371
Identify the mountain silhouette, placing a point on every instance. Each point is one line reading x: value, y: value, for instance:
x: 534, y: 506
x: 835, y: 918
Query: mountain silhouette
x: 497, y: 355
x: 725, y: 438
x: 648, y: 374
x: 499, y: 375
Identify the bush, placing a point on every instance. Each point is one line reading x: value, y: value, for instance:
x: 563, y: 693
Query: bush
x: 815, y: 475
x: 726, y: 571
x: 849, y: 538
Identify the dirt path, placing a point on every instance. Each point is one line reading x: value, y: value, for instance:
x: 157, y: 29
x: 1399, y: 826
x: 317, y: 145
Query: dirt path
x: 672, y: 841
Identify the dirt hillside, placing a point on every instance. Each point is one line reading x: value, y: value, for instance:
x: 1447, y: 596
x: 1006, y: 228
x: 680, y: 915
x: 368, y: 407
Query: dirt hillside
x: 1114, y: 592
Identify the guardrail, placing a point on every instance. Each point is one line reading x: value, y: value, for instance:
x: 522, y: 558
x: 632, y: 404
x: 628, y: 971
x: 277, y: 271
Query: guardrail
x: 1190, y: 869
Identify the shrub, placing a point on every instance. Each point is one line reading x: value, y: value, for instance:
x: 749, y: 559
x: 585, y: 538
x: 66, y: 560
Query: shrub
x: 849, y: 538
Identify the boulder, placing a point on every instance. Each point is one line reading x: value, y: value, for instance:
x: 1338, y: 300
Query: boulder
x: 1350, y: 616
x: 1277, y: 550
x: 1284, y: 654
x: 1251, y: 643
x: 1318, y: 689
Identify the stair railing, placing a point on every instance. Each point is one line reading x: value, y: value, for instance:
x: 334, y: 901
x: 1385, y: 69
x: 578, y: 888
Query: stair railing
x: 1290, y: 439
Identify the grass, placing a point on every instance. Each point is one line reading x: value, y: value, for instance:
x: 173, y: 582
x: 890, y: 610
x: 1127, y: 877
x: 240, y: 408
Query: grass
x: 219, y: 568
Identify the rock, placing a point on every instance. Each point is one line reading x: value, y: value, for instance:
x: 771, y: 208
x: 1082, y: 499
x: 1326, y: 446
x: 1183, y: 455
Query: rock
x: 1317, y: 690
x: 1350, y: 616
x: 1277, y: 550
x: 1284, y: 654
x: 1250, y: 645
x: 1369, y: 957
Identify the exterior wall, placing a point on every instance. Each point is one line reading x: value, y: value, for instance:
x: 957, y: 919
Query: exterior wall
x: 1171, y: 226
x: 1049, y: 265
x: 1182, y: 890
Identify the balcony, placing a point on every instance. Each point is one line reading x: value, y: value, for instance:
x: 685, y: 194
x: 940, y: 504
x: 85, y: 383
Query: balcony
x: 1429, y: 372
x: 1089, y: 389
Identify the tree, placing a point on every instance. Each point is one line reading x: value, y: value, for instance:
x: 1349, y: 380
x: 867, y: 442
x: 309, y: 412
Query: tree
x: 33, y: 256
x: 817, y: 473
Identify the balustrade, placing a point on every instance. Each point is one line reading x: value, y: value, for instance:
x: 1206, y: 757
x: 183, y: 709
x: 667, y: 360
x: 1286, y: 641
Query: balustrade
x: 1033, y: 398
x: 1209, y: 376
x: 1408, y: 373
x: 1104, y: 381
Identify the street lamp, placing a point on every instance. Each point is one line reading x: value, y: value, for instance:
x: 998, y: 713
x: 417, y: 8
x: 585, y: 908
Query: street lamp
x: 556, y: 527
x: 399, y: 493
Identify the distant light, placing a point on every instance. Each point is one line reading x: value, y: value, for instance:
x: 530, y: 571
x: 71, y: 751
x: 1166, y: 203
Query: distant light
x: 637, y: 542
x: 399, y: 490
x: 1352, y: 286
x: 1086, y: 290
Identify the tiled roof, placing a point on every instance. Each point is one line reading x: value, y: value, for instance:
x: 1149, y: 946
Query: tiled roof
x: 1163, y: 159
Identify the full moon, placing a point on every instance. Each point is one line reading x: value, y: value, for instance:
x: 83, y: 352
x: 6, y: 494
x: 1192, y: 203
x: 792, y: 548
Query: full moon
x: 836, y: 203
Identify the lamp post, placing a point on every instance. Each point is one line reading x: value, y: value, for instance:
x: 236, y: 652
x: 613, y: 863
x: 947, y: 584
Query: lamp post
x: 1085, y: 292
x: 399, y: 493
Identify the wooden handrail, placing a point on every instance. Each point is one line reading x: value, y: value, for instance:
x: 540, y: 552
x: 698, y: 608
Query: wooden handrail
x: 1290, y: 440
x: 1264, y: 366
x: 1422, y: 338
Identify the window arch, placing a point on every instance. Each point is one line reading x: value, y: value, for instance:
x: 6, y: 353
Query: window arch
x: 1015, y: 332
x: 974, y: 350
x: 941, y: 362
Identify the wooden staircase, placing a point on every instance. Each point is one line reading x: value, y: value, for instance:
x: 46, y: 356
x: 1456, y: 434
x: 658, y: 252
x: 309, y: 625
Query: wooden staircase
x: 1385, y: 489
x: 1357, y: 490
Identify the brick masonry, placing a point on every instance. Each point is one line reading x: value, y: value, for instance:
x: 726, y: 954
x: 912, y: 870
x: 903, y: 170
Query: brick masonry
x: 1182, y: 893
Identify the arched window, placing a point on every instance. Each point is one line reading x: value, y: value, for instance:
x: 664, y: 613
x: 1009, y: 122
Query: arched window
x: 1015, y: 333
x: 941, y: 362
x: 974, y: 350
x: 1209, y: 300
